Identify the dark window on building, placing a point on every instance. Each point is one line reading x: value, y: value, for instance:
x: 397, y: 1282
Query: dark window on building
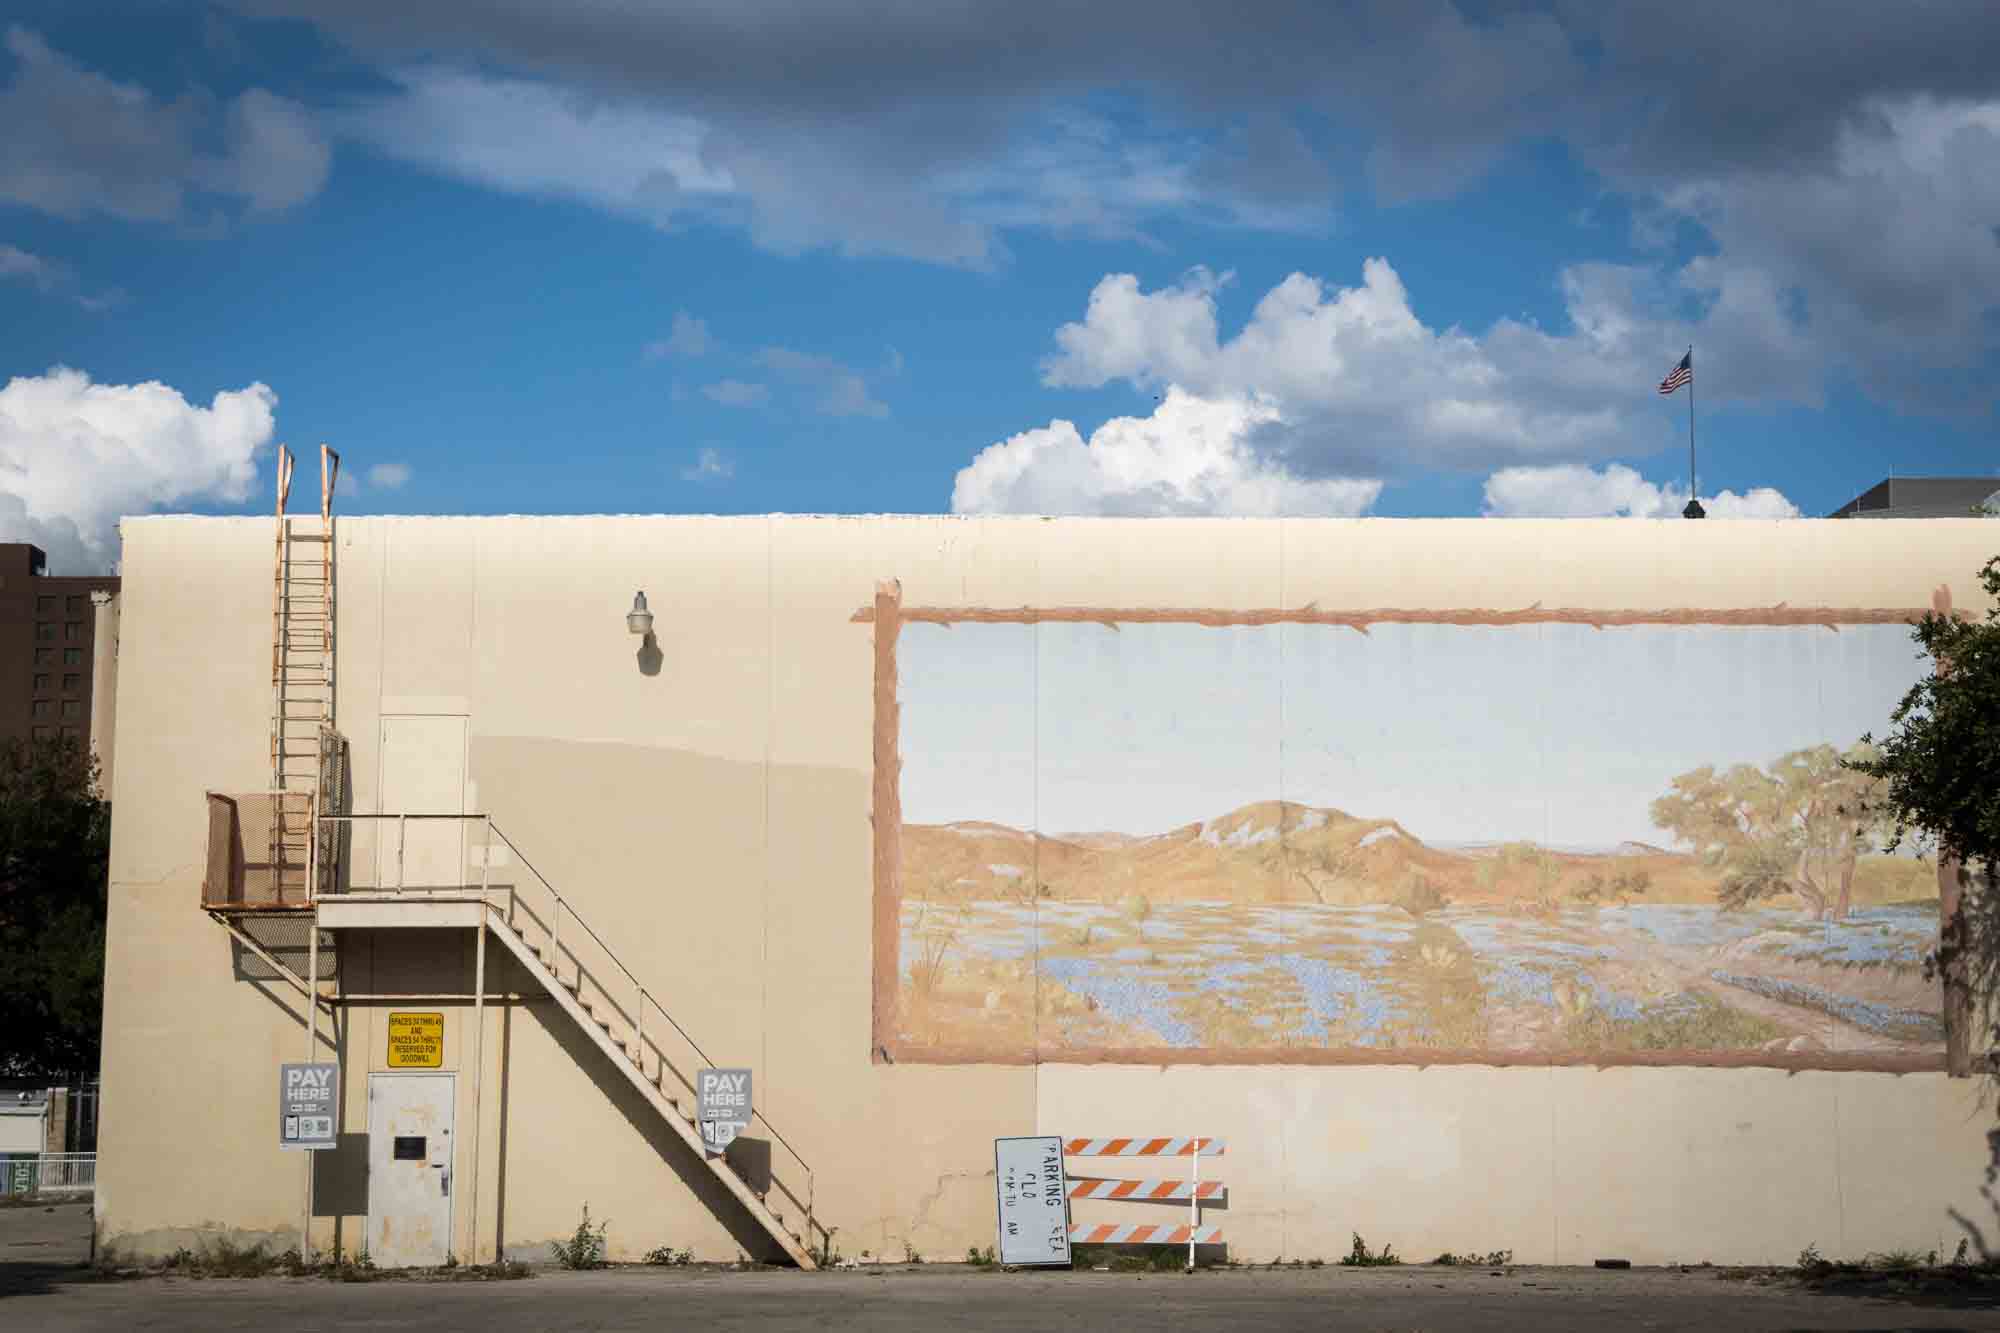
x: 72, y: 657
x: 41, y: 708
x: 71, y: 734
x: 75, y: 605
x: 45, y: 733
x: 72, y: 708
x: 45, y: 657
x: 45, y: 631
x: 41, y: 683
x: 73, y: 631
x: 45, y: 606
x: 71, y: 682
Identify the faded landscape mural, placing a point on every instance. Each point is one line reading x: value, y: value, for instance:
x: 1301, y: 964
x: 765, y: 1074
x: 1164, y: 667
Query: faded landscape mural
x: 1169, y: 841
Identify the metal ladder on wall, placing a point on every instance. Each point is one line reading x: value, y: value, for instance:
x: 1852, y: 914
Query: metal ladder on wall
x: 302, y: 676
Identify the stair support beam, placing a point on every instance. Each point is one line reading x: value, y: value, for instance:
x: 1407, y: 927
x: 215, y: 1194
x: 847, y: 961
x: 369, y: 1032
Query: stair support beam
x: 634, y: 1071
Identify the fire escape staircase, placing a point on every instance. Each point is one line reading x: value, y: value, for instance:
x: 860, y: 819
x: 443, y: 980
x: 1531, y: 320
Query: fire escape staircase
x: 580, y: 972
x: 307, y: 836
x: 646, y: 1069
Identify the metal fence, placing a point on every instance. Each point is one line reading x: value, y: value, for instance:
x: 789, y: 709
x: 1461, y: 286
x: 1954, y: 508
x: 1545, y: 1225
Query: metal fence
x: 51, y: 1173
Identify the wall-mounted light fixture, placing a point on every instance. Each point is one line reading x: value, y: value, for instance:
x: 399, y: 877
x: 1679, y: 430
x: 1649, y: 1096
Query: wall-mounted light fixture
x: 639, y: 620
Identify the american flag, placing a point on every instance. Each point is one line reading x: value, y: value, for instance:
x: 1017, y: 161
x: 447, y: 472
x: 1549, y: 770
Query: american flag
x: 1679, y: 375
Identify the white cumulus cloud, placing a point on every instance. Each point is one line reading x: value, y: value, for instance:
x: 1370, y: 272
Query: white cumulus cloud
x: 1364, y: 385
x: 1191, y: 456
x: 76, y: 456
x: 1617, y: 491
x: 389, y: 476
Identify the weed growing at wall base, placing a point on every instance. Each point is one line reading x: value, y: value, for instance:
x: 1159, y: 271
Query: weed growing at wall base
x: 1362, y: 1257
x: 221, y: 1257
x: 1134, y: 1258
x: 1491, y: 1259
x: 826, y: 1256
x: 585, y: 1246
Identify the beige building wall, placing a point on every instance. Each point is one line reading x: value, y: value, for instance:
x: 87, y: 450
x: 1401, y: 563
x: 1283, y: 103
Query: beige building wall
x: 710, y: 814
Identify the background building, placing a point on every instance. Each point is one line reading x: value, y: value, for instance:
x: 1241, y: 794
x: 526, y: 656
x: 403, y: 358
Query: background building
x: 1923, y: 497
x: 50, y: 628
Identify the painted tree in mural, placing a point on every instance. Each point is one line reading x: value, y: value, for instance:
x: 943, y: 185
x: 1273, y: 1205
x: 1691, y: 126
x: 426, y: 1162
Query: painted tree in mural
x: 1800, y: 825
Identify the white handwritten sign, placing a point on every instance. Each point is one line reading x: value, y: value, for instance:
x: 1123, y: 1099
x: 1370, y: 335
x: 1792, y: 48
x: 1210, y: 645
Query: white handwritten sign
x: 1034, y: 1203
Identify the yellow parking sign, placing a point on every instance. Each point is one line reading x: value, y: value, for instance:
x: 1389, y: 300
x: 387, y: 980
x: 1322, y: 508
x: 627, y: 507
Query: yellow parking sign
x: 416, y: 1041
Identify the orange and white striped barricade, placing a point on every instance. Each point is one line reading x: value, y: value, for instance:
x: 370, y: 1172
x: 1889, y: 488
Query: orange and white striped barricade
x: 1194, y: 1189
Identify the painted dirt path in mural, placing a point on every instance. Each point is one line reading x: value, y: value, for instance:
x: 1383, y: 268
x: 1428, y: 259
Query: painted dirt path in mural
x: 1089, y: 943
x: 1649, y: 966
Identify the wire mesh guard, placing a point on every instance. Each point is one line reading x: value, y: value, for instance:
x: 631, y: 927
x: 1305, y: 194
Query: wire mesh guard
x: 257, y: 847
x: 259, y: 843
x: 288, y: 941
x: 335, y: 798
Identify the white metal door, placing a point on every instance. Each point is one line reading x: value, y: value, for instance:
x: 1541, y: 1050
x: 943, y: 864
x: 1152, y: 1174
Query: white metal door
x: 423, y: 773
x: 409, y: 1169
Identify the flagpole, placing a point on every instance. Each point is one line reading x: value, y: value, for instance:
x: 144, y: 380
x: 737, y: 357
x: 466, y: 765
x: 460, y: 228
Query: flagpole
x: 1694, y: 509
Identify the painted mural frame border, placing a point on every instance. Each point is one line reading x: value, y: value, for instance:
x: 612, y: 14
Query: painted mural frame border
x: 888, y: 614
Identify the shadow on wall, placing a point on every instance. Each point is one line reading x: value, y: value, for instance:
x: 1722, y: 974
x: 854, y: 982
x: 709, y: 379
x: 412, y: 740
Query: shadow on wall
x: 1986, y: 1245
x: 650, y: 656
x: 713, y: 1196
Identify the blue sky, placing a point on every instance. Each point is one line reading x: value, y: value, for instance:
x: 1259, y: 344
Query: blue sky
x: 1399, y: 259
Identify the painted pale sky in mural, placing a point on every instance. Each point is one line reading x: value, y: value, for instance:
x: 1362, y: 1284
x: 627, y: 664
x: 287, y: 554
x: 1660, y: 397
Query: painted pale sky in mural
x: 1561, y: 734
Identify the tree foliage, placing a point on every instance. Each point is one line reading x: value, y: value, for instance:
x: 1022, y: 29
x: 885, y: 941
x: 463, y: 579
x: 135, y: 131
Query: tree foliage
x: 55, y: 836
x: 1800, y: 825
x: 1939, y: 766
x: 1939, y: 775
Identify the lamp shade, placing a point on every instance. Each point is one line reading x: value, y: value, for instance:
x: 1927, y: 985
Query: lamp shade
x: 639, y: 620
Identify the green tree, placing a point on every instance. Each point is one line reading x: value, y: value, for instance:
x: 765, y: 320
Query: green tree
x: 1799, y: 825
x: 1939, y: 766
x: 1939, y: 775
x: 55, y: 836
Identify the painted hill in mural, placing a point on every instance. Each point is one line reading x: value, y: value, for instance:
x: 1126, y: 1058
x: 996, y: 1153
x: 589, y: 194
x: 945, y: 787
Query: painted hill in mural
x: 1280, y: 925
x: 1274, y: 852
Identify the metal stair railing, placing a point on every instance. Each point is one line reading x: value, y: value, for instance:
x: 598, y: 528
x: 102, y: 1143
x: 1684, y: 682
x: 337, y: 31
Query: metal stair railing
x: 590, y: 983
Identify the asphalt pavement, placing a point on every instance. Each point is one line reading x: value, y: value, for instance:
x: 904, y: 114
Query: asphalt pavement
x: 46, y: 1284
